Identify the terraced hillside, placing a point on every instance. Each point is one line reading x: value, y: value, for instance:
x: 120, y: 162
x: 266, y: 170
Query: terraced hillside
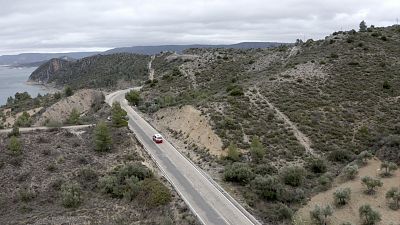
x: 314, y: 107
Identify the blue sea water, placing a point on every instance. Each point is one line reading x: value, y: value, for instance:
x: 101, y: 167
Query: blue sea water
x: 13, y: 80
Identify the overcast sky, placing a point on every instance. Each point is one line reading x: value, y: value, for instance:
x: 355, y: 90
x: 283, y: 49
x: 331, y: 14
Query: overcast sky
x: 85, y: 25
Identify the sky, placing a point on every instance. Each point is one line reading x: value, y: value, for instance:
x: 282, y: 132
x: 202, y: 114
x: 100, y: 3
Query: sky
x: 96, y: 25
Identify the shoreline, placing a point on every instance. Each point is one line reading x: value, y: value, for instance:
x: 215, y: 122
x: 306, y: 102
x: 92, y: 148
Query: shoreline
x: 49, y: 89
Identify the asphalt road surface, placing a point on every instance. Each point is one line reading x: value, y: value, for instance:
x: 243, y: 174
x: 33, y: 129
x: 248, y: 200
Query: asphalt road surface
x: 211, y: 204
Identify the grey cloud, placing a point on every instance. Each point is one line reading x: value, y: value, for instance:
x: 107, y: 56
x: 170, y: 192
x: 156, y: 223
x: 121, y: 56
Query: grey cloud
x: 47, y: 25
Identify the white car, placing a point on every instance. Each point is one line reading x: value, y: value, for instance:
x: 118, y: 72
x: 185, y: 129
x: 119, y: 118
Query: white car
x: 157, y: 138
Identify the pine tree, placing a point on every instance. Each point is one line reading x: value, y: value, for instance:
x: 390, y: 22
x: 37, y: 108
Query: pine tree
x: 103, y: 139
x: 119, y: 118
x: 363, y: 26
x: 257, y: 149
x: 74, y: 117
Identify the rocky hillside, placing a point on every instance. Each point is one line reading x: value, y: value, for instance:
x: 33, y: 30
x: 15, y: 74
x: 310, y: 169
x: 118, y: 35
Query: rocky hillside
x: 99, y: 71
x: 315, y: 106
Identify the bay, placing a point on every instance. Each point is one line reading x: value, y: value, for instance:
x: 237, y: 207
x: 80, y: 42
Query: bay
x: 13, y: 80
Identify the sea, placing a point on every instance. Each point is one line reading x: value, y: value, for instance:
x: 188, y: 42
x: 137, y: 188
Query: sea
x: 13, y: 80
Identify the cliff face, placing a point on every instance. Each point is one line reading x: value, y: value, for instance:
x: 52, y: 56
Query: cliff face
x: 45, y: 72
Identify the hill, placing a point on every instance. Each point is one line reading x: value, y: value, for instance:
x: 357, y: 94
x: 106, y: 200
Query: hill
x: 99, y: 71
x: 290, y: 118
x: 26, y: 58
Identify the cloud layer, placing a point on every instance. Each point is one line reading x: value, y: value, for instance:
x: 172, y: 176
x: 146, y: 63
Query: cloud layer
x: 77, y: 25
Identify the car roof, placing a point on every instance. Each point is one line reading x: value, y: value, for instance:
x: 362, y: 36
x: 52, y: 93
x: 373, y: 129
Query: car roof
x: 157, y: 135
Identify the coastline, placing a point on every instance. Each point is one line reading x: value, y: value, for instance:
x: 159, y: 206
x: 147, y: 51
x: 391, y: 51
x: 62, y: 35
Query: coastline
x: 46, y: 87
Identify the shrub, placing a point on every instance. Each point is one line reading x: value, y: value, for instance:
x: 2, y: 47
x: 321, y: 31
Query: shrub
x: 371, y: 184
x: 293, y: 175
x: 26, y: 194
x: 68, y: 91
x: 386, y: 85
x: 368, y: 215
x: 388, y: 168
x: 238, y: 172
x: 320, y: 215
x: 14, y: 146
x: 394, y: 195
x: 283, y: 212
x: 342, y: 196
x: 118, y: 115
x: 74, y: 117
x: 350, y: 171
x: 325, y: 181
x: 257, y: 149
x: 267, y: 187
x: 14, y: 132
x: 340, y: 155
x: 155, y: 193
x: 133, y: 97
x: 103, y: 141
x: 71, y: 195
x: 23, y: 120
x: 363, y: 157
x: 317, y: 165
x: 233, y: 153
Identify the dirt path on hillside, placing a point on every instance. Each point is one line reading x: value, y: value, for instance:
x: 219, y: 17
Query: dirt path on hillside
x: 151, y: 70
x: 300, y: 136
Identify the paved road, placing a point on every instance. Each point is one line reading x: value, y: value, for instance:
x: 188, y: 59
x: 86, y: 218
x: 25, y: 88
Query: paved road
x: 207, y: 200
x: 26, y: 129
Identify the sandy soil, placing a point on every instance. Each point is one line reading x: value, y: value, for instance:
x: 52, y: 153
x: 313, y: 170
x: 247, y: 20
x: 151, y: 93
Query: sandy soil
x: 82, y: 101
x: 349, y: 213
x: 192, y: 124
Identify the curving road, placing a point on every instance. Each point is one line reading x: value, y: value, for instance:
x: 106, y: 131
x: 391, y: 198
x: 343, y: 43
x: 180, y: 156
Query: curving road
x: 211, y: 204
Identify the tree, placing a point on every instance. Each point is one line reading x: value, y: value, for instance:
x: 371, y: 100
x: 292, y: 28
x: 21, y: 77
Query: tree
x: 394, y: 195
x: 368, y: 215
x: 74, y: 117
x: 68, y: 91
x: 257, y: 149
x: 388, y: 168
x: 14, y: 131
x: 371, y: 183
x: 119, y: 115
x: 133, y: 97
x: 293, y: 175
x: 363, y: 26
x: 320, y: 214
x: 342, y: 196
x: 317, y: 165
x: 233, y: 153
x: 14, y: 146
x: 350, y: 171
x: 103, y: 139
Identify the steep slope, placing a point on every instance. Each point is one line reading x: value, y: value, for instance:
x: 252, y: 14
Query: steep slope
x: 99, y: 71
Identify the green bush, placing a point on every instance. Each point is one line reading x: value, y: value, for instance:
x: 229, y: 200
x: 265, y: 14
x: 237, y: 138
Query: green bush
x: 68, y: 91
x: 155, y: 193
x: 102, y: 138
x: 394, y: 195
x: 238, y: 172
x: 388, y: 168
x: 320, y: 214
x: 350, y: 171
x: 26, y: 194
x: 23, y: 120
x: 257, y: 149
x: 233, y: 153
x: 14, y: 132
x: 340, y: 155
x: 368, y: 215
x: 363, y: 157
x: 14, y: 146
x: 317, y: 165
x: 371, y: 184
x: 293, y: 175
x: 342, y: 196
x: 74, y: 117
x: 71, y: 195
x: 267, y: 187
